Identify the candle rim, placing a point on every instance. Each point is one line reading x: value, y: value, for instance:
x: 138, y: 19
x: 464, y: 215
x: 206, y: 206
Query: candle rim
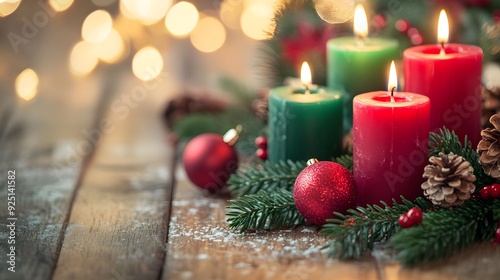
x: 383, y: 99
x: 322, y: 95
x: 434, y: 51
x: 369, y: 43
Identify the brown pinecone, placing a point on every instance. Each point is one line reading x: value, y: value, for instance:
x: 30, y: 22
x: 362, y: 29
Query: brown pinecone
x: 450, y: 180
x: 489, y: 148
x: 260, y: 105
x: 491, y: 104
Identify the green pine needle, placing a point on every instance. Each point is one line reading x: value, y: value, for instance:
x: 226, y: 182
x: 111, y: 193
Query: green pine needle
x: 356, y: 232
x: 447, y: 142
x: 268, y: 177
x: 446, y: 231
x: 345, y: 160
x: 263, y: 211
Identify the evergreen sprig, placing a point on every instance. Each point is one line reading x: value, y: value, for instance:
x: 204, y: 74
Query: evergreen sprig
x: 446, y: 231
x: 264, y: 210
x: 356, y: 232
x: 447, y: 142
x: 345, y: 160
x: 268, y: 176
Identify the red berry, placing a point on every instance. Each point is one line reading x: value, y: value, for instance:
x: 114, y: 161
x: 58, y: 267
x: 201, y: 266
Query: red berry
x: 261, y: 142
x: 261, y: 153
x: 404, y: 221
x: 495, y: 191
x: 485, y: 193
x: 415, y: 216
x: 497, y: 235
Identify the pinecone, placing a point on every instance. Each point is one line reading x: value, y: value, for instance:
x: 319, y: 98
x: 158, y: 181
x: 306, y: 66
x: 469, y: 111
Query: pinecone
x: 450, y: 180
x: 489, y: 148
x: 491, y: 104
x: 260, y: 105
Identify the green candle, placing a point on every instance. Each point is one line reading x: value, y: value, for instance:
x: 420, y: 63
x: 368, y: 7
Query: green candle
x: 358, y: 65
x: 304, y: 124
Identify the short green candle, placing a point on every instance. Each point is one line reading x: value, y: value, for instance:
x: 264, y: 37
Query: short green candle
x: 356, y: 66
x: 304, y: 125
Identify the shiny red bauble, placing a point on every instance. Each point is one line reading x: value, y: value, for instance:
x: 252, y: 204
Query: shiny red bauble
x: 323, y: 188
x: 209, y: 161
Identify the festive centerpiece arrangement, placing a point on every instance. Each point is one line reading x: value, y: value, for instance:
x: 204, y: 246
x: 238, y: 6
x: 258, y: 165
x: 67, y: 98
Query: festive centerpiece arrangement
x: 365, y: 162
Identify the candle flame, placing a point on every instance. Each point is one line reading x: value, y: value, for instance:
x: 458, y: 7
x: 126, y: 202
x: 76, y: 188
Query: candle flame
x: 360, y: 22
x: 393, y: 78
x: 305, y: 74
x: 443, y: 28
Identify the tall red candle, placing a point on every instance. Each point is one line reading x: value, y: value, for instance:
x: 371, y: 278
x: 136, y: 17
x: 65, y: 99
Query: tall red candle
x: 450, y: 75
x: 390, y: 145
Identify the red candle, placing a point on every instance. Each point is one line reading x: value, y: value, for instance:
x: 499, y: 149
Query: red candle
x: 390, y: 145
x: 450, y: 75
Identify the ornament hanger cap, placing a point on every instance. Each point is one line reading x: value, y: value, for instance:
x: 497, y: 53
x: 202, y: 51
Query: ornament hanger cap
x: 232, y: 135
x: 312, y: 161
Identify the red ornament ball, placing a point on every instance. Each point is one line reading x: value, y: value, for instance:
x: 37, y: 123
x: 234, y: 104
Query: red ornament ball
x: 261, y: 153
x: 405, y: 221
x: 209, y: 161
x: 495, y: 190
x: 323, y: 188
x: 485, y: 193
x: 261, y: 142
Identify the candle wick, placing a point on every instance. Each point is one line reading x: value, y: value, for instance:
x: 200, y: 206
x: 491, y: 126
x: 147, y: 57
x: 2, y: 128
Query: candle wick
x: 361, y: 40
x: 443, y: 51
x: 392, y: 94
x: 307, y: 88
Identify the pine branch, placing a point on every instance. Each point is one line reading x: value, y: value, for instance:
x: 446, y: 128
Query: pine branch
x: 268, y: 176
x: 265, y: 210
x: 345, y: 160
x: 445, y: 231
x: 447, y: 142
x: 356, y: 232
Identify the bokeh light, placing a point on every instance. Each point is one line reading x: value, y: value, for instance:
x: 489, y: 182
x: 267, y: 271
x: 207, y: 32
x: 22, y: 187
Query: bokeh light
x: 209, y: 35
x: 230, y: 13
x: 82, y: 59
x: 7, y: 7
x: 97, y: 26
x: 60, y: 5
x: 146, y: 11
x: 27, y: 84
x: 257, y: 21
x: 335, y: 11
x: 147, y: 64
x: 181, y: 19
x: 111, y: 49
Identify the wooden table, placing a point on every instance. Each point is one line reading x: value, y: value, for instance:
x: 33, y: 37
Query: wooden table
x: 121, y: 207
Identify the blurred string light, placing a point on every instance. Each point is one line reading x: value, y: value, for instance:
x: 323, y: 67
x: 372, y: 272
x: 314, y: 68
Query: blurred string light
x: 7, y: 7
x: 335, y: 11
x: 230, y: 13
x: 209, y: 35
x: 27, y: 84
x: 97, y: 26
x: 60, y: 5
x: 257, y: 19
x: 148, y: 12
x: 147, y: 63
x: 111, y: 49
x: 82, y: 59
x: 181, y: 19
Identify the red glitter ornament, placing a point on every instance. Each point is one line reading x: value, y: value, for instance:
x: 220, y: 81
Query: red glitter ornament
x: 209, y: 159
x: 323, y: 188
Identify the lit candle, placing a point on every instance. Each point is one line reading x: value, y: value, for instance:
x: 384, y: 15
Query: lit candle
x: 450, y: 75
x: 358, y: 64
x: 390, y: 131
x: 304, y: 122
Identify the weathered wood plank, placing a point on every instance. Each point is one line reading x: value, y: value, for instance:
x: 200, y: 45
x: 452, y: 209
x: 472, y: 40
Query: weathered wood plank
x: 201, y: 246
x: 480, y: 262
x: 117, y: 228
x: 37, y: 139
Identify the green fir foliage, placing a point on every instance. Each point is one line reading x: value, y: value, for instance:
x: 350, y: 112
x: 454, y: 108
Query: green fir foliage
x: 446, y: 231
x: 345, y: 160
x: 357, y: 231
x: 447, y: 142
x: 268, y: 177
x: 264, y: 210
